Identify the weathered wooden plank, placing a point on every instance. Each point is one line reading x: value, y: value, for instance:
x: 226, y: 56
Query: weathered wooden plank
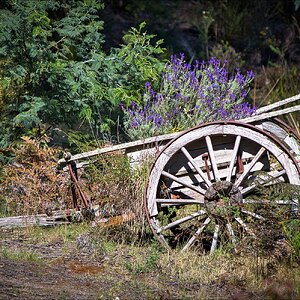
x: 180, y: 201
x: 155, y: 141
x: 36, y: 220
x: 252, y: 214
x: 272, y: 114
x: 56, y: 217
x: 186, y: 192
x: 194, y: 164
x: 279, y: 202
x: 183, y: 182
x: 275, y: 129
x: 153, y: 184
x: 277, y: 104
x: 139, y: 143
x: 180, y: 166
x: 215, y: 238
x: 212, y: 157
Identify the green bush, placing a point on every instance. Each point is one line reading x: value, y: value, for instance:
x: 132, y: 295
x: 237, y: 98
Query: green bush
x: 55, y: 74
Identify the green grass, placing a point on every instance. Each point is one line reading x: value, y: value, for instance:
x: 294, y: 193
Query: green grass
x: 14, y: 255
x: 147, y: 267
x: 63, y: 233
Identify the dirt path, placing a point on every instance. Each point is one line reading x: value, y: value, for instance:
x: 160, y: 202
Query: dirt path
x: 56, y: 270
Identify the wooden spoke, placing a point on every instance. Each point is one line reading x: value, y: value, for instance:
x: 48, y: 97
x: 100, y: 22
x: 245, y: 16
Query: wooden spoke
x: 279, y: 202
x: 182, y: 220
x: 164, y: 242
x: 194, y: 164
x: 212, y: 157
x: 241, y: 222
x: 250, y: 166
x: 188, y: 185
x: 231, y: 233
x: 234, y: 154
x: 195, y: 236
x: 259, y: 217
x: 179, y: 201
x: 215, y: 239
x: 253, y: 186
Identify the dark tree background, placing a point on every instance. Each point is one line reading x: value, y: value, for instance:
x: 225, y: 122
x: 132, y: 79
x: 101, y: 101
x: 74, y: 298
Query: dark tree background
x: 261, y: 30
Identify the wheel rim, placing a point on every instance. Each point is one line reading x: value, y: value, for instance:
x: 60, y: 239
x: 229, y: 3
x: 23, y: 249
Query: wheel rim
x: 201, y: 186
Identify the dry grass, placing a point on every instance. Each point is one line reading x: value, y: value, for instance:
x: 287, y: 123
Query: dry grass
x: 274, y: 83
x: 200, y: 276
x: 260, y: 275
x: 118, y: 189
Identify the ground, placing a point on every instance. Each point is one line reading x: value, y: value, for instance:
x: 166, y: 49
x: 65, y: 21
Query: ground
x: 67, y: 264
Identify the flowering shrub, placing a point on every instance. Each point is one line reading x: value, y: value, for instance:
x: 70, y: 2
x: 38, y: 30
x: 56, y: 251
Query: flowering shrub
x: 189, y: 95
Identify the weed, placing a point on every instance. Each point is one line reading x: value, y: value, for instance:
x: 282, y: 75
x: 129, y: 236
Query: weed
x: 118, y: 190
x: 64, y: 234
x: 291, y: 229
x: 19, y: 255
x: 144, y: 264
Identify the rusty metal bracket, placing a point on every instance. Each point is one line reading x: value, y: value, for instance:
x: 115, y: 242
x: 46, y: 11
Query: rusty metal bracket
x: 205, y: 157
x: 75, y: 184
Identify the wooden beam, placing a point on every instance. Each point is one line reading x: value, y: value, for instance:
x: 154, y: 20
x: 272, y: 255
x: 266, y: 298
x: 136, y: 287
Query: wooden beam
x: 277, y: 104
x: 194, y: 164
x: 119, y: 147
x: 260, y: 115
x: 234, y: 154
x: 272, y: 114
x: 250, y: 166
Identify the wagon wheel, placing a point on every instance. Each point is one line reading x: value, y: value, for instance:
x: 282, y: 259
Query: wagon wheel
x: 282, y: 132
x: 205, y: 187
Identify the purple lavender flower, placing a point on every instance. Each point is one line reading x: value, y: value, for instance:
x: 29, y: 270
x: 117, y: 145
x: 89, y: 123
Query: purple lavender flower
x: 199, y: 93
x: 148, y: 85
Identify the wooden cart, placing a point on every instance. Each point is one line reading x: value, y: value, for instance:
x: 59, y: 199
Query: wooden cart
x: 214, y: 185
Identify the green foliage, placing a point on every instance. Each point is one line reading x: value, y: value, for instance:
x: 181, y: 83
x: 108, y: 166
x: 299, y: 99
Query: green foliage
x: 138, y: 62
x: 55, y: 72
x: 148, y: 264
x: 43, y: 61
x: 297, y: 4
x: 291, y: 230
x: 225, y: 52
x: 203, y: 25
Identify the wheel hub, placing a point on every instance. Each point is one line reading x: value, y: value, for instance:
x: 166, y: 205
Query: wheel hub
x: 222, y: 199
